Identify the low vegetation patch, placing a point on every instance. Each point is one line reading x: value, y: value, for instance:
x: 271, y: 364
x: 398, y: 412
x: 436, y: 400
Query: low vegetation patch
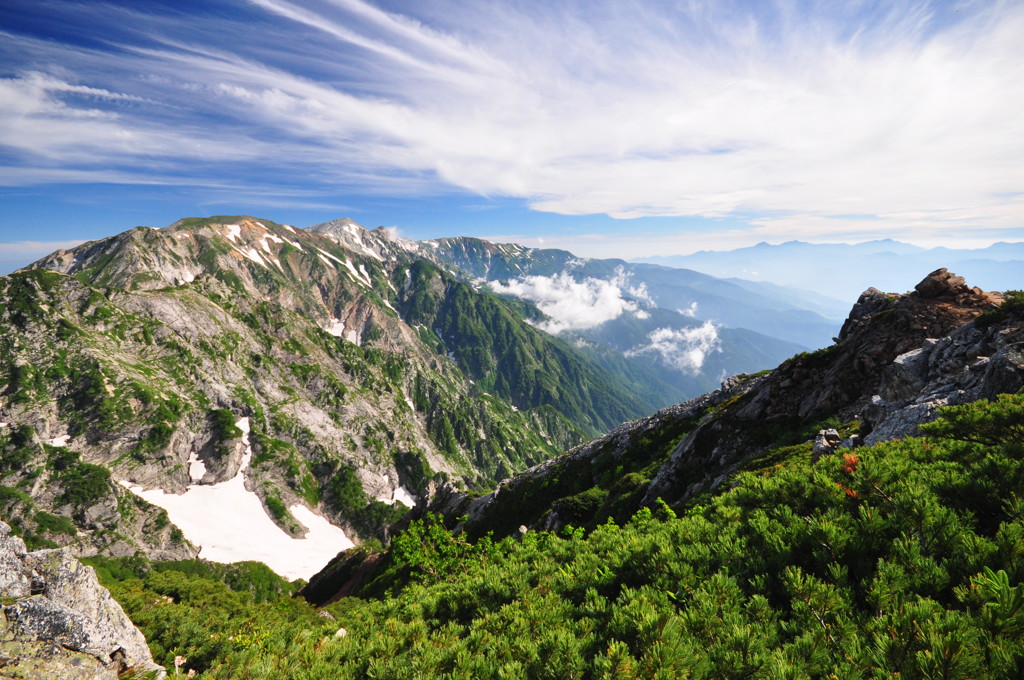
x: 904, y: 560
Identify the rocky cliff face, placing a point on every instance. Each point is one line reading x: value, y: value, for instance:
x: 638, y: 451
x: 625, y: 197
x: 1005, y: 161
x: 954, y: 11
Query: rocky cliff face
x: 59, y: 623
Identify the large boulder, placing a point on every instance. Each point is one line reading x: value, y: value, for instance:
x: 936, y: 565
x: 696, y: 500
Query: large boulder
x: 941, y: 282
x: 57, y: 622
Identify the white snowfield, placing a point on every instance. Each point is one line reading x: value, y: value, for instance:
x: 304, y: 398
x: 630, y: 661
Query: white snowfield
x: 229, y: 524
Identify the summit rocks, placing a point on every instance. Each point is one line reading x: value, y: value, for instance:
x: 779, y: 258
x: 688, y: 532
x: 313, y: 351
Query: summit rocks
x: 59, y: 623
x: 941, y: 282
x: 897, y: 359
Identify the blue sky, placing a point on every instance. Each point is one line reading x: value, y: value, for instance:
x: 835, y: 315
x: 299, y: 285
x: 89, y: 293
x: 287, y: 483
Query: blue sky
x: 608, y: 128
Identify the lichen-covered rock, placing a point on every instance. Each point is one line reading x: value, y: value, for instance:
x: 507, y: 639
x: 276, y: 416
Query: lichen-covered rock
x: 26, y: 660
x: 57, y: 622
x: 14, y: 582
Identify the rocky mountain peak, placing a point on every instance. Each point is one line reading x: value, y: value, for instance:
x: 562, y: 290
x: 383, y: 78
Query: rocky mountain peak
x: 346, y: 232
x: 344, y: 225
x: 880, y: 327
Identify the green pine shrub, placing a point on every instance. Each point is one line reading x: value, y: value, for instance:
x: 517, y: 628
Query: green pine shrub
x: 904, y: 559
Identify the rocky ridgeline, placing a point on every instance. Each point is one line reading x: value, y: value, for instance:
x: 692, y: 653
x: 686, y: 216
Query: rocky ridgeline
x: 897, y: 359
x: 59, y: 623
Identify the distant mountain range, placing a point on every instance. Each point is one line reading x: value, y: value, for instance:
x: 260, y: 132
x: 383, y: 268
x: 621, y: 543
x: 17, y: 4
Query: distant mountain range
x: 840, y: 272
x: 701, y: 328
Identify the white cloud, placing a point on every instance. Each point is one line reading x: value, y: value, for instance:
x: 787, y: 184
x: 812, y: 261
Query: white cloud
x: 623, y: 279
x: 904, y: 113
x: 690, y: 311
x: 570, y: 304
x: 684, y: 349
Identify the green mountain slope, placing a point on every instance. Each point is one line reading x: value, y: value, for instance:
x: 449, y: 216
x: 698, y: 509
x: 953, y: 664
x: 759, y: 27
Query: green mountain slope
x: 901, y: 559
x: 679, y: 332
x: 130, y: 359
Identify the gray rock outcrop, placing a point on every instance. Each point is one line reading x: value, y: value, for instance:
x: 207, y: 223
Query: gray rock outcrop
x: 941, y: 282
x: 967, y: 365
x: 59, y: 623
x: 825, y: 443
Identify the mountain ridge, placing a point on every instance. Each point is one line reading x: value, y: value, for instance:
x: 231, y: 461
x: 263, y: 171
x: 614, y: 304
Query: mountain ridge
x: 144, y: 355
x: 897, y: 359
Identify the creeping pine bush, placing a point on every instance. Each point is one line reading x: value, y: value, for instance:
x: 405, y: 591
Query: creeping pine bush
x: 905, y: 561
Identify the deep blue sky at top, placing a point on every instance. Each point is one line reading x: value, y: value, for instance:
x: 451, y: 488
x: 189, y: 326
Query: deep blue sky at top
x: 608, y: 128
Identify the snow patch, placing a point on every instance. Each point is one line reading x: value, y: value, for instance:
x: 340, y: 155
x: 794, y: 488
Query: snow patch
x: 403, y: 496
x: 4, y: 424
x: 269, y: 237
x: 324, y: 253
x: 196, y: 467
x: 355, y: 274
x: 229, y: 524
x: 253, y: 255
x: 289, y: 228
x: 61, y: 440
x: 234, y: 231
x: 326, y: 261
x: 337, y: 327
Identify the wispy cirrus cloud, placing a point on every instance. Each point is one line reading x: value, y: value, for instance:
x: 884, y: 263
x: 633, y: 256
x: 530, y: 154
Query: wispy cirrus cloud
x: 905, y: 114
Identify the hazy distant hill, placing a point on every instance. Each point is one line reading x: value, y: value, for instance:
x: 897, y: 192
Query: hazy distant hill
x: 843, y: 271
